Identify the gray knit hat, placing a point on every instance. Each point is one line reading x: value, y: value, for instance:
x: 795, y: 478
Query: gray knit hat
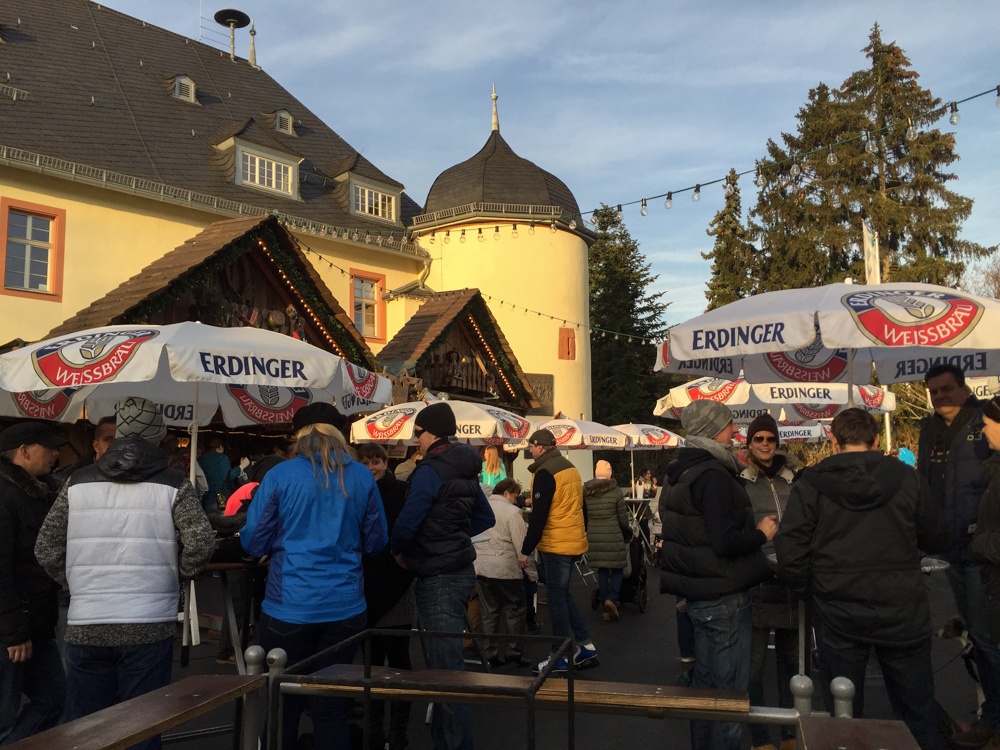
x: 139, y: 416
x: 705, y: 418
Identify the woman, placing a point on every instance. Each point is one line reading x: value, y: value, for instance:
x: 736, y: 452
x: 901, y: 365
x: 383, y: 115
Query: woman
x: 493, y: 469
x: 607, y: 527
x: 315, y: 515
x: 986, y: 542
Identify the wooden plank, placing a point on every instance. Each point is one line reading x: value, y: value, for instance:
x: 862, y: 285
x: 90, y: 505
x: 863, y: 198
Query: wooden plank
x: 439, y: 683
x: 828, y: 733
x: 148, y: 715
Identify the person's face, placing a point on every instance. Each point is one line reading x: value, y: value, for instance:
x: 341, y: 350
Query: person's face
x: 992, y: 431
x: 36, y: 459
x: 726, y: 436
x: 535, y: 450
x: 424, y: 439
x: 511, y: 497
x: 376, y: 465
x: 762, y: 447
x: 947, y: 396
x: 102, y: 438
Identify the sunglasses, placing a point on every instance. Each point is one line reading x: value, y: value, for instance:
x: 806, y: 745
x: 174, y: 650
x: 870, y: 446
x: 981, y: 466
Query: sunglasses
x: 417, y: 432
x: 762, y: 439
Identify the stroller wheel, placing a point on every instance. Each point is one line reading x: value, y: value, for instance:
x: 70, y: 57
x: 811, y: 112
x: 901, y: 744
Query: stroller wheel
x: 595, y: 599
x: 642, y: 597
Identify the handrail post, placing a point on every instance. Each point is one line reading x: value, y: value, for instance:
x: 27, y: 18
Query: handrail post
x: 252, y: 723
x: 277, y: 659
x: 843, y: 697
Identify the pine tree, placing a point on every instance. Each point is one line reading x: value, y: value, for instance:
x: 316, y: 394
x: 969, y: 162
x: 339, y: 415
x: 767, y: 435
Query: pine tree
x: 734, y: 257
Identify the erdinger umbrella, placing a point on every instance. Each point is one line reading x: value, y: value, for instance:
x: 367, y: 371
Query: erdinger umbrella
x: 837, y: 332
x: 579, y: 434
x: 793, y: 432
x: 478, y: 424
x: 646, y: 437
x: 791, y: 402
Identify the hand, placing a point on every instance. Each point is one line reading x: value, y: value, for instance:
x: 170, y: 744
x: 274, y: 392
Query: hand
x: 400, y: 560
x: 769, y: 525
x: 522, y: 562
x: 19, y: 653
x: 244, y: 463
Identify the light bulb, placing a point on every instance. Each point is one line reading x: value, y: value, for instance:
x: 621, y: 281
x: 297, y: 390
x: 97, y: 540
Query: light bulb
x: 531, y: 228
x: 462, y: 237
x: 998, y: 97
x: 696, y: 195
x: 618, y: 211
x: 669, y: 202
x: 954, y: 119
x: 795, y: 170
x: 760, y: 181
x: 496, y: 233
x: 480, y: 235
x: 432, y: 237
x: 552, y: 227
x: 572, y: 223
x: 911, y: 133
x: 870, y: 146
x: 513, y: 232
x: 593, y: 220
x: 831, y: 157
x: 447, y: 236
x: 644, y: 210
x: 728, y: 188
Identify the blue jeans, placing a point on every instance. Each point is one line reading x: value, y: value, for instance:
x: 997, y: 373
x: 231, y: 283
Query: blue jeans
x: 441, y: 602
x: 609, y: 584
x: 98, y: 677
x: 909, y: 680
x: 723, y: 629
x: 300, y: 641
x: 42, y: 681
x: 562, y: 608
x: 970, y: 597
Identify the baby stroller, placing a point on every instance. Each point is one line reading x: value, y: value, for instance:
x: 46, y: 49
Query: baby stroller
x: 633, y: 590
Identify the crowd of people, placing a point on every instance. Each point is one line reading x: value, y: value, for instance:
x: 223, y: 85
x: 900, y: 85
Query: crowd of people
x: 752, y: 546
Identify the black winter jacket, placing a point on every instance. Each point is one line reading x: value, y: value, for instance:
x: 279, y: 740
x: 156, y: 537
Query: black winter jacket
x: 28, y: 597
x: 986, y: 544
x: 851, y: 538
x: 385, y: 581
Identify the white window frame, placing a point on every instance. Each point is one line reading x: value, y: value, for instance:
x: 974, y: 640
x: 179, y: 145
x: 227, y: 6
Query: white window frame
x: 259, y: 168
x: 374, y: 202
x: 365, y: 306
x: 31, y: 247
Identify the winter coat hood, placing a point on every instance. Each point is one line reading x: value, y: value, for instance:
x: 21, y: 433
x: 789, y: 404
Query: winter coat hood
x: 463, y: 458
x: 131, y: 459
x: 847, y: 479
x: 37, y: 487
x: 598, y: 486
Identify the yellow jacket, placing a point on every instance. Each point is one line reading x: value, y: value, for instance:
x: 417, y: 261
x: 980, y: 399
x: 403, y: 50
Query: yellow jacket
x: 565, y: 532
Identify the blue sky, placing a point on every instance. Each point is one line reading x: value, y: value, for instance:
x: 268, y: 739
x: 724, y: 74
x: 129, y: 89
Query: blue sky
x: 622, y: 100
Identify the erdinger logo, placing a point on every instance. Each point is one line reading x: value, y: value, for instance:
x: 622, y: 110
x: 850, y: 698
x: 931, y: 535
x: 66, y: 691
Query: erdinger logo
x: 871, y: 396
x: 46, y: 404
x: 512, y: 425
x: 269, y: 404
x: 388, y: 424
x: 814, y: 364
x: 364, y: 382
x: 88, y: 358
x: 655, y: 436
x: 563, y: 433
x: 817, y: 411
x: 715, y: 389
x: 913, y: 317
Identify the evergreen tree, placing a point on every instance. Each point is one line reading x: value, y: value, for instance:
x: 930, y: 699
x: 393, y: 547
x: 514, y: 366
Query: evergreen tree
x: 734, y: 258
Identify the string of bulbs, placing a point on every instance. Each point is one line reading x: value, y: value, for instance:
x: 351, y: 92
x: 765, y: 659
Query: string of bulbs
x: 795, y: 161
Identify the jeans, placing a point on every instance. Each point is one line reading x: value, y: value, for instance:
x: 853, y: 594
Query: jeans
x: 786, y: 654
x: 394, y: 651
x: 970, y: 597
x: 685, y: 630
x: 723, y: 629
x: 562, y: 608
x: 98, y: 677
x: 300, y: 641
x: 609, y: 584
x: 502, y: 596
x: 42, y: 681
x: 909, y: 680
x: 441, y: 601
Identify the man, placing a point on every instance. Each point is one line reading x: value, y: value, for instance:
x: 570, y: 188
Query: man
x: 218, y: 471
x: 104, y: 433
x: 951, y: 452
x: 851, y: 537
x: 768, y: 481
x: 558, y: 530
x: 112, y: 540
x: 712, y: 557
x: 30, y: 665
x: 444, y: 508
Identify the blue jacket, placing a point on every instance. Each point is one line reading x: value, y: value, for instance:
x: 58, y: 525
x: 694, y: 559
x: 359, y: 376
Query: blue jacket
x: 316, y: 538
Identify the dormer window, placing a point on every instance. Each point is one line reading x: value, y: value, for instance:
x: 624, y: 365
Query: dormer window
x: 185, y: 89
x: 373, y: 202
x: 284, y: 122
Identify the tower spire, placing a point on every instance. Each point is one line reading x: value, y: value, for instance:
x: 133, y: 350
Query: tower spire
x: 496, y: 117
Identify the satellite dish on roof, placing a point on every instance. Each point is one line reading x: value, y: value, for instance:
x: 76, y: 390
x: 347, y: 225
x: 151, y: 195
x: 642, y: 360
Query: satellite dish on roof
x: 233, y: 19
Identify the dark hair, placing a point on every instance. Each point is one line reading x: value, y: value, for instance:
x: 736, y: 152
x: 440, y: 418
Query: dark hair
x: 991, y: 408
x: 106, y: 420
x: 507, y: 485
x: 214, y: 442
x: 855, y: 427
x: 945, y: 368
x: 372, y: 450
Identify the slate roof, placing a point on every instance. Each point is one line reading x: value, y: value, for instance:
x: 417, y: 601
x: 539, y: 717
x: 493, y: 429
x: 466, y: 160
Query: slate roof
x: 156, y: 279
x: 98, y: 89
x: 497, y: 175
x: 433, y: 320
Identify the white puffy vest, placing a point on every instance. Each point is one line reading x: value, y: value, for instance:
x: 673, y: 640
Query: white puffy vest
x: 121, y: 553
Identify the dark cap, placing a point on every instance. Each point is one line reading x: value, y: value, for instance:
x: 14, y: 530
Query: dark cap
x: 438, y: 419
x: 30, y: 433
x: 320, y: 413
x: 542, y: 437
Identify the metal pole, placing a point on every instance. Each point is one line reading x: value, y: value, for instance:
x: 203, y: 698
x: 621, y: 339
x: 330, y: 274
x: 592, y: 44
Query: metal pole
x: 254, y: 705
x: 277, y: 659
x: 843, y: 697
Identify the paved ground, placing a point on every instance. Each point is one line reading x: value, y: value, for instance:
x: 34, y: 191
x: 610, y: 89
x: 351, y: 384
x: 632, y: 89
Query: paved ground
x: 638, y: 648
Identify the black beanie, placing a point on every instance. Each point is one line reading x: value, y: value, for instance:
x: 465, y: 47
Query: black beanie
x: 318, y: 413
x: 438, y: 419
x: 764, y: 423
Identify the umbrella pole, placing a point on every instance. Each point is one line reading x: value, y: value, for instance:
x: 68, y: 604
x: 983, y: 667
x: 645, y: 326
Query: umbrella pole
x: 631, y: 461
x: 850, y: 378
x: 193, y: 432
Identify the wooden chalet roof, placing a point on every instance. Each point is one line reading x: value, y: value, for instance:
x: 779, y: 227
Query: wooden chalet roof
x: 432, y: 323
x: 93, y: 86
x: 220, y: 243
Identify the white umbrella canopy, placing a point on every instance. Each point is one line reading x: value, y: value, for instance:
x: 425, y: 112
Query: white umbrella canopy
x: 478, y: 424
x: 791, y: 402
x: 578, y: 434
x: 648, y: 437
x: 814, y: 335
x: 793, y: 432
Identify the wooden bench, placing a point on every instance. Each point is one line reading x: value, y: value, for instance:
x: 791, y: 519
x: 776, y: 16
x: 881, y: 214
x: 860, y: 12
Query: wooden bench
x: 148, y: 715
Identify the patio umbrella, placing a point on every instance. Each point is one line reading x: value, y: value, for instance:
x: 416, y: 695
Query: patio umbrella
x: 838, y: 332
x: 790, y: 402
x: 478, y: 424
x: 793, y: 432
x: 646, y: 437
x: 578, y: 434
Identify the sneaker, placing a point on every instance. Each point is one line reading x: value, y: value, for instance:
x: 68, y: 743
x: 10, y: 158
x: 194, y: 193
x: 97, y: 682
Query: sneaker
x: 611, y: 610
x: 561, y: 666
x: 976, y: 736
x: 788, y: 743
x: 688, y: 659
x: 586, y: 656
x: 231, y: 659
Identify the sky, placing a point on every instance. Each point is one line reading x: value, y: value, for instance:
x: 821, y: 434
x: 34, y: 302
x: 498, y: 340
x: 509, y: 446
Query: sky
x: 621, y: 100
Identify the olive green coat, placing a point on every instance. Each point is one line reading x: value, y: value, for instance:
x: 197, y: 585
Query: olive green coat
x: 607, y: 524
